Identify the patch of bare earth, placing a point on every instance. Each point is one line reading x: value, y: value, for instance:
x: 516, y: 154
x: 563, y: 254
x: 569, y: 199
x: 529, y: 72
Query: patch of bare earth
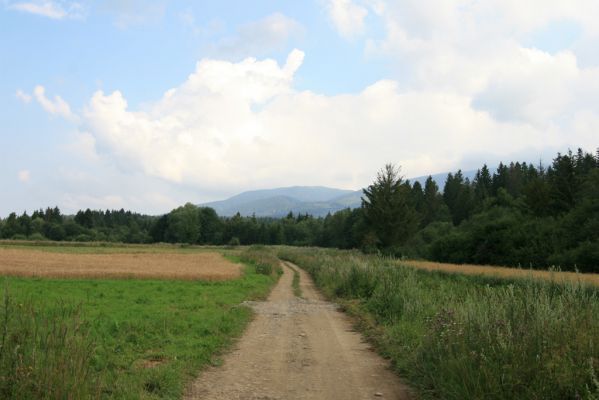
x: 33, y: 263
x: 299, y: 349
x: 504, y: 272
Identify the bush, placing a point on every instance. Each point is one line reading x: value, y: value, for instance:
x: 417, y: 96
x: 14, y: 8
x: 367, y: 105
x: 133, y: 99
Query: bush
x: 234, y: 242
x: 37, y: 237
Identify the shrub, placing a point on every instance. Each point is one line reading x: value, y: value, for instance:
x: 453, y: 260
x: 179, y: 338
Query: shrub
x: 234, y: 242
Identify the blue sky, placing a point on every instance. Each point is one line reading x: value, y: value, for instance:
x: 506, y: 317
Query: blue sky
x: 147, y: 105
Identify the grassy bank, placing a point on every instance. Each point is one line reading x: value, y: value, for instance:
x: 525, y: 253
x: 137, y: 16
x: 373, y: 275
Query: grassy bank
x: 454, y: 336
x: 124, y: 339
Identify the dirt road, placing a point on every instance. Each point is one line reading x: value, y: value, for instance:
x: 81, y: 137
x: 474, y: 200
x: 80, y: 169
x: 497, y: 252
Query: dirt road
x: 299, y: 349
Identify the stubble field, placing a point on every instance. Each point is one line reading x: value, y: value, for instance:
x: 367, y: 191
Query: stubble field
x: 504, y: 272
x: 31, y: 262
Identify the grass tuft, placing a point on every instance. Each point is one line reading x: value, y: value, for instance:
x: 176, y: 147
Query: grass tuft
x: 297, y: 290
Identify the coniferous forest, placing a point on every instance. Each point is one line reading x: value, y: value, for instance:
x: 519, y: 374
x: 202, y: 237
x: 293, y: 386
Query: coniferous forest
x: 520, y: 215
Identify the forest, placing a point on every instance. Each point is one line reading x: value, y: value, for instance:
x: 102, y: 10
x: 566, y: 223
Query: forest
x: 520, y: 215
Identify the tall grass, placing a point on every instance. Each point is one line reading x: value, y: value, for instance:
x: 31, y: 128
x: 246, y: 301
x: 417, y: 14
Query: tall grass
x: 468, y: 337
x: 45, y: 355
x: 262, y: 258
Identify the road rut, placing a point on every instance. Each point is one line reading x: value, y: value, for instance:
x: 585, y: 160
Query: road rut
x: 299, y: 348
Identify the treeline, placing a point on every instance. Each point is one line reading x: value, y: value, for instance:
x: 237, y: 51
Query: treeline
x: 187, y: 224
x: 518, y: 215
x: 521, y: 215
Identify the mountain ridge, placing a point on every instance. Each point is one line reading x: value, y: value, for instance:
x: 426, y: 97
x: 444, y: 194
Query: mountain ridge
x: 317, y: 201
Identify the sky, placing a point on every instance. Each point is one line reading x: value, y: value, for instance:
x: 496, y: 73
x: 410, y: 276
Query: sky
x: 147, y: 105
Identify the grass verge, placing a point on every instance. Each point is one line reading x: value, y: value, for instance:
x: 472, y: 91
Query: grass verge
x: 136, y: 339
x: 297, y: 290
x: 455, y: 336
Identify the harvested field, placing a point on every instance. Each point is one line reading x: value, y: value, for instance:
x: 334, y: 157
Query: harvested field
x: 35, y: 263
x: 504, y: 272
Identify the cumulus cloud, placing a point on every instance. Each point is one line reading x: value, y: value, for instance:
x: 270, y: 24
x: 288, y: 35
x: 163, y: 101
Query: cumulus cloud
x: 347, y: 17
x: 234, y: 126
x: 50, y: 9
x: 466, y: 87
x: 482, y: 50
x: 56, y: 107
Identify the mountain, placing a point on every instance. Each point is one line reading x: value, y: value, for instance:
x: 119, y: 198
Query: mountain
x: 314, y: 200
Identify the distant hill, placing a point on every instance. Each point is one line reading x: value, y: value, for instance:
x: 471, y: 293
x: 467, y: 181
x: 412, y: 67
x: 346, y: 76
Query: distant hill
x: 440, y: 178
x: 313, y: 200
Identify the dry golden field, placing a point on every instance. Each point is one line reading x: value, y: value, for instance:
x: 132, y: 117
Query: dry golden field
x: 504, y: 272
x: 163, y: 265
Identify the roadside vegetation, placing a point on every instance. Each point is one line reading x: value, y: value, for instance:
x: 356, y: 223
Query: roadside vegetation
x: 108, y: 338
x: 455, y: 336
x: 297, y: 289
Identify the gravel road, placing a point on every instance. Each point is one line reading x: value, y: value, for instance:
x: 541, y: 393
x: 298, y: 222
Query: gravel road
x: 299, y: 348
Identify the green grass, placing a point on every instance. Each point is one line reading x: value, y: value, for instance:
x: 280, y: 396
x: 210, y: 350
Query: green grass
x: 297, y: 290
x: 454, y: 336
x: 141, y: 339
x: 104, y: 247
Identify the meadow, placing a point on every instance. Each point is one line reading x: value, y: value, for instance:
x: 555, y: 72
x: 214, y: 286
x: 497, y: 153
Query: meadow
x: 74, y: 337
x: 458, y: 336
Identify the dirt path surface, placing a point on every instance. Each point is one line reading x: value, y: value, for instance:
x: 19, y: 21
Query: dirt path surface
x: 299, y: 349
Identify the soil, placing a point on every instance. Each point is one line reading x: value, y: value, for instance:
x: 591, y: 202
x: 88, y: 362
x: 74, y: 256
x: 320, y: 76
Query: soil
x: 299, y: 348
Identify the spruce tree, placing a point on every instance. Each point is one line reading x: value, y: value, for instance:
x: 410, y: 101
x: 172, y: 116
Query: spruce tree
x: 388, y: 212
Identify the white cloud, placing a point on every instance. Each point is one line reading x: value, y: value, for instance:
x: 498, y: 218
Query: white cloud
x: 347, y: 17
x: 480, y: 50
x: 535, y: 87
x: 24, y: 175
x: 234, y: 126
x: 56, y: 107
x: 50, y: 9
x: 24, y: 97
x: 256, y: 38
x: 83, y: 145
